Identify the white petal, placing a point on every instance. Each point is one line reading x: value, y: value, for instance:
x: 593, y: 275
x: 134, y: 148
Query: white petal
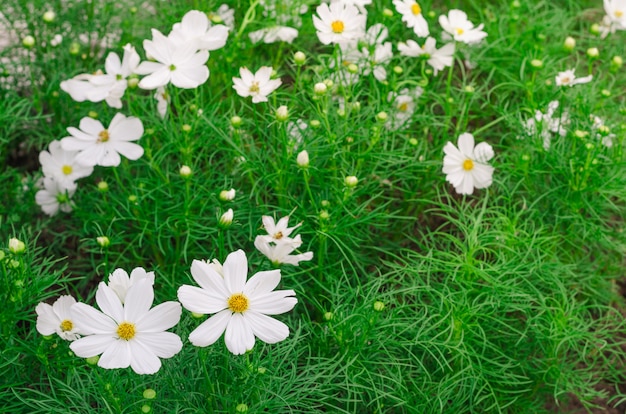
x: 267, y: 329
x: 200, y: 300
x: 143, y: 360
x: 274, y: 303
x: 239, y: 337
x: 163, y: 344
x: 129, y: 150
x: 262, y: 282
x: 209, y: 279
x: 160, y: 318
x: 92, y: 321
x: 466, y: 144
x: 117, y: 355
x: 138, y: 300
x: 235, y: 270
x: 47, y: 320
x: 92, y: 345
x: 210, y: 330
x: 109, y: 302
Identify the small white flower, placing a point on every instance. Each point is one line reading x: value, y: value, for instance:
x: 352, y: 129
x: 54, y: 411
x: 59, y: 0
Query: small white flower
x: 103, y: 146
x: 129, y: 334
x: 54, y: 197
x: 359, y: 4
x: 278, y: 232
x: 57, y: 319
x: 616, y: 13
x: 568, y: 78
x: 460, y: 28
x: 339, y: 23
x: 62, y: 165
x: 258, y: 85
x: 403, y: 107
x: 280, y: 253
x: 224, y: 15
x: 547, y: 124
x: 120, y: 282
x: 412, y: 15
x: 240, y: 307
x: 437, y: 58
x: 466, y: 167
x: 181, y: 64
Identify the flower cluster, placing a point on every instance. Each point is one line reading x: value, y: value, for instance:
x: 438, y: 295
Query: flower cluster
x: 128, y: 331
x: 545, y: 125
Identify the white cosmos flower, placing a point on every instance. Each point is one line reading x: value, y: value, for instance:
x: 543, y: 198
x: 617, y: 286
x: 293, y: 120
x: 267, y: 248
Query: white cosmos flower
x: 412, y: 15
x: 460, y: 28
x: 403, y: 107
x: 278, y: 232
x: 103, y: 146
x: 360, y: 4
x: 466, y: 167
x: 196, y: 27
x: 62, y: 165
x: 54, y: 197
x: 437, y: 58
x: 568, y: 78
x: 274, y: 34
x: 225, y: 15
x: 57, y: 319
x: 339, y: 23
x: 120, y: 282
x: 616, y: 13
x: 109, y: 86
x: 257, y: 85
x: 179, y: 63
x: 129, y: 334
x: 241, y: 307
x: 280, y: 252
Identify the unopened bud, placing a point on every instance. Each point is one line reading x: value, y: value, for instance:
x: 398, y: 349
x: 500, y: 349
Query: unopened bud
x: 387, y: 12
x: 569, y: 44
x: 28, y: 41
x: 228, y: 195
x: 382, y: 117
x: 241, y: 408
x: 227, y: 218
x: 103, y: 241
x: 303, y: 159
x: 351, y: 181
x: 103, y: 186
x: 299, y: 58
x: 16, y: 246
x: 282, y: 113
x: 185, y: 171
x: 314, y: 123
x: 593, y: 52
x: 379, y: 306
x: 352, y: 68
x: 320, y: 88
x: 236, y: 121
x: 149, y: 394
x: 536, y: 63
x: 49, y: 16
x: 328, y: 316
x: 594, y: 29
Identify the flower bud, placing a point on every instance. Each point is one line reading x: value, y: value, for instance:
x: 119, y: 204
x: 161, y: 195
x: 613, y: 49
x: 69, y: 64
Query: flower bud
x: 16, y: 246
x: 282, y: 113
x: 329, y: 83
x: 28, y: 41
x: 398, y: 70
x: 149, y: 394
x: 103, y: 186
x: 616, y: 63
x: 379, y: 306
x: 299, y: 58
x: 569, y: 44
x: 387, y: 12
x: 594, y: 29
x: 352, y: 68
x: 186, y: 128
x: 185, y: 171
x: 74, y: 48
x: 320, y: 88
x: 145, y: 409
x: 132, y: 82
x: 236, y: 121
x: 351, y: 181
x: 536, y: 63
x: 227, y: 218
x: 328, y: 316
x: 103, y: 241
x: 303, y: 159
x: 49, y: 16
x: 324, y: 215
x: 593, y: 52
x: 382, y: 117
x: 241, y: 408
x: 314, y: 123
x: 227, y: 195
x: 92, y: 360
x: 92, y: 114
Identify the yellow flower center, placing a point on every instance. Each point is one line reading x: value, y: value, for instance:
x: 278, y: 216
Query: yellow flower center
x: 67, y: 325
x: 67, y: 169
x: 103, y: 136
x: 126, y: 331
x: 238, y: 303
x: 618, y: 13
x: 565, y: 80
x: 404, y: 106
x: 254, y: 88
x: 459, y: 31
x: 468, y: 165
x: 416, y: 9
x: 337, y: 26
x: 278, y: 235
